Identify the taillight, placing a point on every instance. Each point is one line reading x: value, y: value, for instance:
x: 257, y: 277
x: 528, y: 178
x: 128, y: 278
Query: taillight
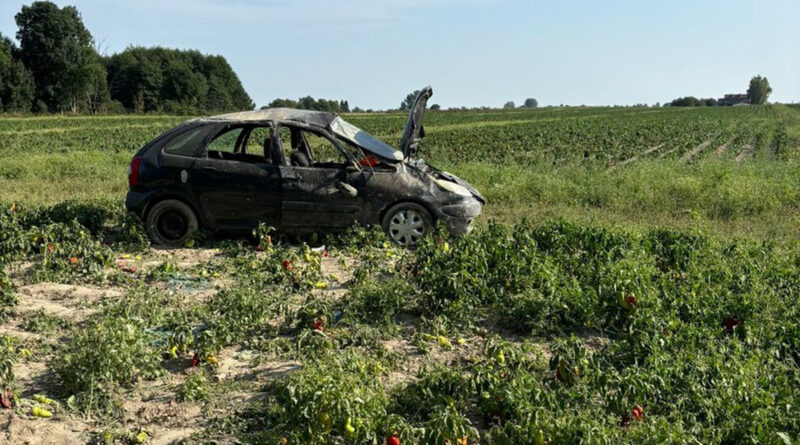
x: 133, y: 171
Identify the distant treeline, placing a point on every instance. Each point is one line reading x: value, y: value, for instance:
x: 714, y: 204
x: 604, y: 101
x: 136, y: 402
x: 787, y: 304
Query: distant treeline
x: 309, y: 103
x: 57, y: 69
x: 691, y: 101
x: 757, y: 94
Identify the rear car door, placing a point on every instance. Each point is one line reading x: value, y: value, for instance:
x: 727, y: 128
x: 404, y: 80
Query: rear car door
x: 237, y: 189
x: 318, y: 195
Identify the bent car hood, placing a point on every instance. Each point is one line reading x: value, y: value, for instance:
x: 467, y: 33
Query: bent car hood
x: 414, y: 131
x: 357, y: 136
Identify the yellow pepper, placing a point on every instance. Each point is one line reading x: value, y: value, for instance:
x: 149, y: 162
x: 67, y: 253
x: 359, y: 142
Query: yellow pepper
x: 41, y: 412
x: 42, y: 399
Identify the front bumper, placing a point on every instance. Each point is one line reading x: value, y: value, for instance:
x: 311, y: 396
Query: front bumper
x: 459, y: 216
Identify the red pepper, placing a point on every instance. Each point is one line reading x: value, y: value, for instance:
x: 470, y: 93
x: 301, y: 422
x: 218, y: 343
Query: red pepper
x: 318, y: 325
x: 287, y: 265
x: 630, y: 299
x: 5, y: 400
x: 638, y: 412
x: 195, y: 360
x: 392, y: 440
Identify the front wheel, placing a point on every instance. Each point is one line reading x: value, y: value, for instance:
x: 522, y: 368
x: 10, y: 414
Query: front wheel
x: 170, y: 223
x: 406, y: 223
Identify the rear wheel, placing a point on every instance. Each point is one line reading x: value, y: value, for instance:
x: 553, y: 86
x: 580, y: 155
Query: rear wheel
x: 170, y: 223
x: 407, y: 222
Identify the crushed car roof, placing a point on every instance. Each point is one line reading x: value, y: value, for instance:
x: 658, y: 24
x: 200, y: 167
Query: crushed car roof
x: 322, y: 119
x: 319, y: 118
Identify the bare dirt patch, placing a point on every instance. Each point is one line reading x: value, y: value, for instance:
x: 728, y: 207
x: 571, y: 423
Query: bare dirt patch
x: 165, y: 419
x: 236, y: 364
x: 62, y: 300
x: 414, y: 358
x: 184, y: 258
x: 337, y: 272
x: 32, y: 431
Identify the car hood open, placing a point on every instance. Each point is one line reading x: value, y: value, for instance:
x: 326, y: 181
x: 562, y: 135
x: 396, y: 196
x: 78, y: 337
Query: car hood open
x: 414, y: 131
x: 345, y: 130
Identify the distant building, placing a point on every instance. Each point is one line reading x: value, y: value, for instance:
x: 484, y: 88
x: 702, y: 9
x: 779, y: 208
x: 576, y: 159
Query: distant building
x: 733, y: 99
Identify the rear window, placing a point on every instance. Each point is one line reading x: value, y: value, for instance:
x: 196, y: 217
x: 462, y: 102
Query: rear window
x: 186, y: 144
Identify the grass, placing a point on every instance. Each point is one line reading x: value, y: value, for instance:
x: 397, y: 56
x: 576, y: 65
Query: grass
x: 756, y: 200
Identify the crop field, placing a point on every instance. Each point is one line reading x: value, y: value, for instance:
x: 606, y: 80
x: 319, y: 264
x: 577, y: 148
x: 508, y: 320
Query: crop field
x: 730, y: 170
x: 635, y: 279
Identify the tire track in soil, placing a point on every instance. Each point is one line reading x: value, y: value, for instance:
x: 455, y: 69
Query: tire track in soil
x: 668, y: 152
x: 689, y: 155
x: 747, y: 152
x: 773, y: 149
x: 633, y: 158
x: 723, y: 148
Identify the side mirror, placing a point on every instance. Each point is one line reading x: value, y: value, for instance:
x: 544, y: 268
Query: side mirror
x: 347, y: 189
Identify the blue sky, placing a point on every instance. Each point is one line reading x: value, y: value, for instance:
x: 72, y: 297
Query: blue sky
x: 473, y: 52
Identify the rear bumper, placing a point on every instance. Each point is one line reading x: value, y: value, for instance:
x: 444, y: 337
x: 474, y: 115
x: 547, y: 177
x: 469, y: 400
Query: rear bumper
x: 459, y: 217
x: 136, y: 202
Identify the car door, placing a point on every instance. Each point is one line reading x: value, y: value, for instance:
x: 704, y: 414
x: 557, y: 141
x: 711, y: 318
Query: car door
x: 323, y: 194
x: 237, y: 190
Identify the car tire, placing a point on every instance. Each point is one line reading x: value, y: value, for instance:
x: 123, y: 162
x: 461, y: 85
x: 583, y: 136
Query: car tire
x: 406, y: 223
x: 170, y: 223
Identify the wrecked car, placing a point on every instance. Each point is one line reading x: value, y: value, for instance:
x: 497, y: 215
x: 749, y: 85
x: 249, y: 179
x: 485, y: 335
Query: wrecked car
x: 298, y: 171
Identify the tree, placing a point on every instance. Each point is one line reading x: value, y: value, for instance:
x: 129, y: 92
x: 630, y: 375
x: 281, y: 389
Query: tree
x: 688, y: 101
x: 97, y: 95
x: 161, y: 79
x: 57, y: 48
x: 282, y: 103
x: 759, y: 90
x: 436, y: 107
x: 185, y: 89
x: 309, y: 103
x: 17, y: 89
x: 530, y: 103
x: 691, y: 101
x: 408, y: 102
x: 509, y: 105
